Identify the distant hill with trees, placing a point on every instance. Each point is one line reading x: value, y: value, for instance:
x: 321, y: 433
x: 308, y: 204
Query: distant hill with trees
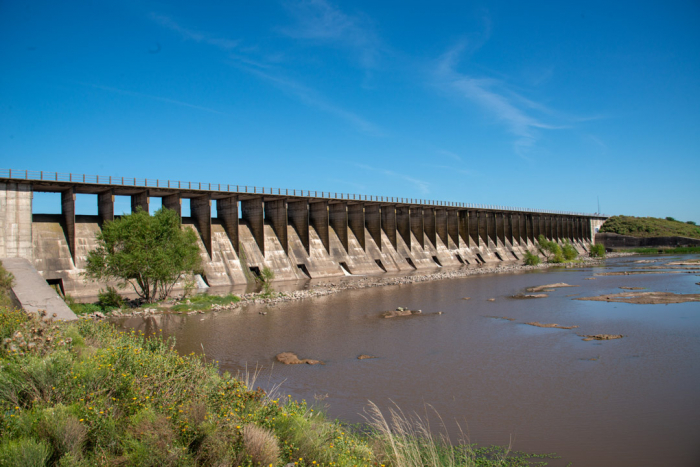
x: 650, y: 227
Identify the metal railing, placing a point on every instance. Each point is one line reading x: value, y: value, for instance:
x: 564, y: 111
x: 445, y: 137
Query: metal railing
x: 33, y: 175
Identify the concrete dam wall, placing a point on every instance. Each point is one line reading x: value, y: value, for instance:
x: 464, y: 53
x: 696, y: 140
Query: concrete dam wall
x: 298, y: 236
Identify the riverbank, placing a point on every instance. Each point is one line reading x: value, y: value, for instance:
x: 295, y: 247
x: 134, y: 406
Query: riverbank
x: 84, y: 393
x: 334, y: 286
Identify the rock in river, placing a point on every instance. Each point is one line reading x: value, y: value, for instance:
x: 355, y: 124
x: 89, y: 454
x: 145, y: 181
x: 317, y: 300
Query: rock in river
x: 289, y: 358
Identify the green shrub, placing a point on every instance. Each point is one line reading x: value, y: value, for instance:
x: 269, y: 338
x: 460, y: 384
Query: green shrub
x: 691, y: 223
x: 550, y: 249
x: 531, y: 259
x: 6, y: 282
x: 109, y: 299
x: 598, y: 250
x: 671, y: 219
x: 569, y: 251
x: 24, y: 452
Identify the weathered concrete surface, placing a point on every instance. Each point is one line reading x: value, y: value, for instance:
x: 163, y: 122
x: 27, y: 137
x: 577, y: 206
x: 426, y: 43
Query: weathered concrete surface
x: 16, y: 220
x: 32, y: 291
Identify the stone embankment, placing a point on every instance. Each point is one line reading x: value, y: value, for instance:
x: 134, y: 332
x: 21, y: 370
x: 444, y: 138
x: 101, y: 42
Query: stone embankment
x: 332, y: 287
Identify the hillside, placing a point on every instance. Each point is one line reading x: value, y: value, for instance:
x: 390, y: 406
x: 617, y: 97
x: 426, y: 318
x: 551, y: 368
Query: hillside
x: 649, y: 227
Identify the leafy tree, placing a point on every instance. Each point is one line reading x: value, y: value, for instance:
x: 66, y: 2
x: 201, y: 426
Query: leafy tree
x: 671, y: 219
x: 550, y: 249
x: 691, y: 223
x: 151, y: 253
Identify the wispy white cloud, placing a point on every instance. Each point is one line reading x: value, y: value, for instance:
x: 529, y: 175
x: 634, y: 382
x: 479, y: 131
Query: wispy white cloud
x: 167, y: 100
x: 421, y: 185
x: 452, y: 169
x: 450, y: 154
x: 320, y: 21
x: 312, y: 98
x: 264, y: 68
x: 495, y: 97
x: 196, y: 36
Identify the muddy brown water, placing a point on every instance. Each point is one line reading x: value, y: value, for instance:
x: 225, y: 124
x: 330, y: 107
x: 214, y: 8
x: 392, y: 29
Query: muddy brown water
x: 633, y: 401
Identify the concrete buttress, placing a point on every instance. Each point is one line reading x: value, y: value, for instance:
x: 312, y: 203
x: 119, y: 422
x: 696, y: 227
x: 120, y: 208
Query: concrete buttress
x: 298, y: 212
x: 200, y: 208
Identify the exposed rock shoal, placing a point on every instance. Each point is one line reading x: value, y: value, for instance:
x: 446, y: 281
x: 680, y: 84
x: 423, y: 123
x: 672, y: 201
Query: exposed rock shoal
x: 365, y: 357
x: 632, y: 273
x: 289, y: 358
x: 550, y: 325
x: 400, y: 311
x: 526, y: 296
x: 540, y: 288
x: 633, y: 288
x: 645, y: 298
x: 601, y: 337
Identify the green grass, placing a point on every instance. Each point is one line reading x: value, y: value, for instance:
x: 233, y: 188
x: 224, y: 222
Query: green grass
x: 84, y: 393
x: 649, y: 227
x: 204, y: 302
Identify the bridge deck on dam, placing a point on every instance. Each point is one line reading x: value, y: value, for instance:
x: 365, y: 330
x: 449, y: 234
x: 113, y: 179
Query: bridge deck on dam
x: 296, y: 233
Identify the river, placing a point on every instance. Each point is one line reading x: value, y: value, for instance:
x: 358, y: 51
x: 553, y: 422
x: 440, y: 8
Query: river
x: 634, y: 401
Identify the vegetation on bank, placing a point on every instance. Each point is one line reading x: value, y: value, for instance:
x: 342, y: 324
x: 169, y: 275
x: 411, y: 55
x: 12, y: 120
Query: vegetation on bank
x: 150, y: 253
x: 597, y: 250
x: 556, y: 253
x: 83, y: 393
x: 650, y: 227
x: 197, y: 302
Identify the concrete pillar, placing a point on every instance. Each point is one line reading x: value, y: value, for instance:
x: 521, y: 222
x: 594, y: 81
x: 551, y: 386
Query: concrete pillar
x: 453, y: 226
x: 298, y: 212
x: 403, y: 224
x: 557, y: 229
x: 389, y: 224
x: 356, y: 222
x: 491, y: 227
x: 429, y: 225
x: 515, y: 220
x: 227, y: 213
x: 417, y: 225
x: 318, y: 219
x: 441, y: 227
x: 508, y: 223
x: 174, y: 202
x: 139, y: 200
x: 200, y: 211
x: 528, y: 228
x: 105, y: 207
x: 500, y: 227
x: 276, y: 216
x: 570, y: 226
x: 464, y: 224
x: 547, y: 227
x: 475, y: 227
x: 338, y: 218
x: 252, y: 214
x: 373, y: 222
x: 68, y: 218
x: 16, y: 221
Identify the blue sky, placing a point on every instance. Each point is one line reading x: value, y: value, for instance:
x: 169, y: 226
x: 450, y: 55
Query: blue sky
x: 533, y: 104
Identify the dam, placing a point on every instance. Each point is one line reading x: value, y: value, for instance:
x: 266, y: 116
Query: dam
x: 298, y: 234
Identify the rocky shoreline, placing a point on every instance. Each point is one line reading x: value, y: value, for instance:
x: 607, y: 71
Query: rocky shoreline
x: 334, y: 286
